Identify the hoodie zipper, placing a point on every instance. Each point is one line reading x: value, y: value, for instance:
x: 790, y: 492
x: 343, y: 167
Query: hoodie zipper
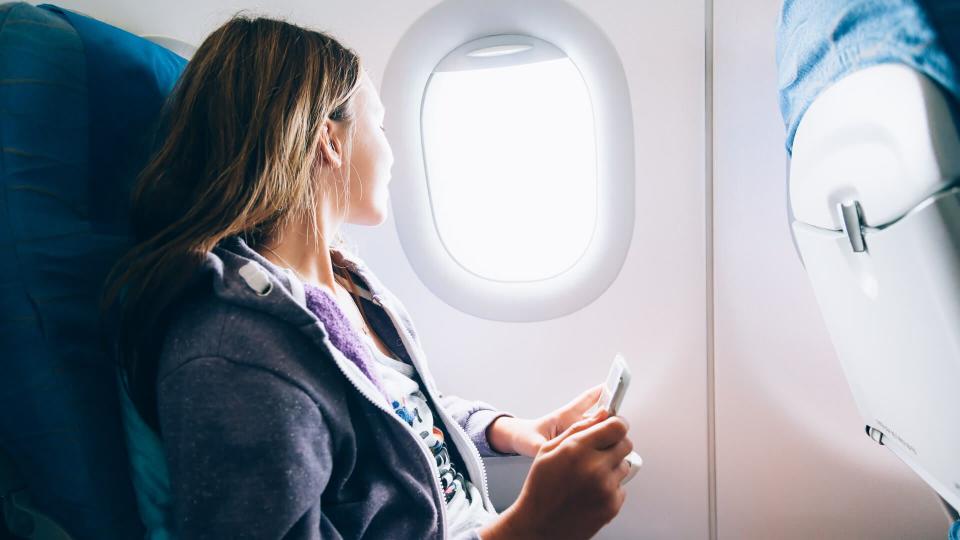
x: 479, y: 469
x: 380, y: 405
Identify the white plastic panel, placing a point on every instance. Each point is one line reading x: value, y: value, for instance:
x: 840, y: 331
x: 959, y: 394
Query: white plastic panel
x: 885, y: 138
x: 893, y: 313
x: 894, y: 119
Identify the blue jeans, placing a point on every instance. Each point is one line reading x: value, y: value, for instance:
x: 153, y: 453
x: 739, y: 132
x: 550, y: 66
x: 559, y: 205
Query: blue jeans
x: 821, y: 41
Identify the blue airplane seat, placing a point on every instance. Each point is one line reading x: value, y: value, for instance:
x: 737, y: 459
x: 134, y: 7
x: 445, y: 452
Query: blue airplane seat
x: 79, y: 100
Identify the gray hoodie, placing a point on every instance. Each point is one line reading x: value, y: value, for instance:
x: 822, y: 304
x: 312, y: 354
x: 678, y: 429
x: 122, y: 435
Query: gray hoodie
x: 270, y: 427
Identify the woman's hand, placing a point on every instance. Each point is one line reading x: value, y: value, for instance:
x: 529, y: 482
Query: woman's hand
x: 573, y: 488
x: 526, y: 436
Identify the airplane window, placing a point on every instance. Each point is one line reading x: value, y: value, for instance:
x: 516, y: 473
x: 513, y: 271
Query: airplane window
x: 510, y: 157
x: 514, y: 175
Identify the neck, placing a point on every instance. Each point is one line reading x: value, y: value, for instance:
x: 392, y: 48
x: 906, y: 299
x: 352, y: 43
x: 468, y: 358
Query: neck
x: 309, y: 257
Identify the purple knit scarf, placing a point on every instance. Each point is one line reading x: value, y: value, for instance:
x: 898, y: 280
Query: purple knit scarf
x: 341, y: 333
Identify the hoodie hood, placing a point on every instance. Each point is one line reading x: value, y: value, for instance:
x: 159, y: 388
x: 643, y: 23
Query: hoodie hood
x: 241, y: 276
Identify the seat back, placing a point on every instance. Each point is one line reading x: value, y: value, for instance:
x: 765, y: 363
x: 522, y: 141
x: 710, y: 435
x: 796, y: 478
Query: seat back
x: 875, y: 196
x: 78, y: 105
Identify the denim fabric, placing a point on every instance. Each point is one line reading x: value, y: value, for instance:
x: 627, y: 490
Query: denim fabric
x: 821, y: 41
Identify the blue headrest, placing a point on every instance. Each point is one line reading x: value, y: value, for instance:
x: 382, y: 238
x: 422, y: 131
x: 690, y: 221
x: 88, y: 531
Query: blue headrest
x: 77, y: 113
x: 128, y: 79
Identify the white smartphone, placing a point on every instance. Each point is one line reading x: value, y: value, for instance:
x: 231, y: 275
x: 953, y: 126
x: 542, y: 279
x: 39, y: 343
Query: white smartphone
x: 611, y: 396
x: 615, y: 387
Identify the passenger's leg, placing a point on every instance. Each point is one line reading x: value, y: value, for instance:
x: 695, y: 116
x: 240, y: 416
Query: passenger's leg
x: 821, y: 41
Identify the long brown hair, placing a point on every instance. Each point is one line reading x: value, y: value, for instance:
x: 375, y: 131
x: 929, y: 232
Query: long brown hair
x: 238, y: 155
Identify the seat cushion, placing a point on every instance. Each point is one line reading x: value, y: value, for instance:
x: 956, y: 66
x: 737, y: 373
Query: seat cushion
x: 77, y: 109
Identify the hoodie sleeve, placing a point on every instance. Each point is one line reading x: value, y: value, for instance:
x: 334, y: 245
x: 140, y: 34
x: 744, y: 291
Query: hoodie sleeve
x: 248, y: 452
x: 474, y: 417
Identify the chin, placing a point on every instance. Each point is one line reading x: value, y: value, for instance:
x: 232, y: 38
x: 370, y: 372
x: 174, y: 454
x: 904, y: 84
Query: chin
x: 372, y: 217
x: 381, y: 217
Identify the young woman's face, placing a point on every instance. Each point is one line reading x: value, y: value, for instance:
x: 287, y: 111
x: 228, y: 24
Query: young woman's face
x: 370, y: 161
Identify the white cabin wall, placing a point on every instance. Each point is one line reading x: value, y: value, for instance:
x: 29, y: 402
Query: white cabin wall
x: 793, y: 461
x: 370, y: 27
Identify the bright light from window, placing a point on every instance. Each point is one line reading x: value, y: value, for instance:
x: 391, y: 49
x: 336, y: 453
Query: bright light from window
x: 511, y: 167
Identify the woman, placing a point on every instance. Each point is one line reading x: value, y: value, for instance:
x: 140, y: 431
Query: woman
x: 286, y: 382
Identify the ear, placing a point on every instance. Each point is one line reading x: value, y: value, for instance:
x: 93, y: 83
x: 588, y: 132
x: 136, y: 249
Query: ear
x: 330, y: 147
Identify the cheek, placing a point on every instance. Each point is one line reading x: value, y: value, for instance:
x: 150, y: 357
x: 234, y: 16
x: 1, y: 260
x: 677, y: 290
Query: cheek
x: 377, y: 156
x: 378, y: 164
x: 370, y: 175
x: 386, y: 153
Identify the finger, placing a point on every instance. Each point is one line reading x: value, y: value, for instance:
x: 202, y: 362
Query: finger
x: 529, y: 446
x: 619, y: 451
x: 604, y: 434
x: 582, y: 403
x: 583, y: 406
x: 622, y: 470
x: 577, y: 427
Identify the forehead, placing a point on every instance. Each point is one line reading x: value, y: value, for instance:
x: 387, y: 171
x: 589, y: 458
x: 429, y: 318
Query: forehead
x: 367, y: 93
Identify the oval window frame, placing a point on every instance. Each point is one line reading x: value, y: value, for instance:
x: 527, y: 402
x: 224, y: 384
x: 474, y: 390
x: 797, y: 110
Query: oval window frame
x: 453, y: 24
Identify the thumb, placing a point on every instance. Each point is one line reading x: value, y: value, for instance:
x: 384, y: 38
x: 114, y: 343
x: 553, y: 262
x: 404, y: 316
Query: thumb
x: 575, y: 409
x: 576, y: 427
